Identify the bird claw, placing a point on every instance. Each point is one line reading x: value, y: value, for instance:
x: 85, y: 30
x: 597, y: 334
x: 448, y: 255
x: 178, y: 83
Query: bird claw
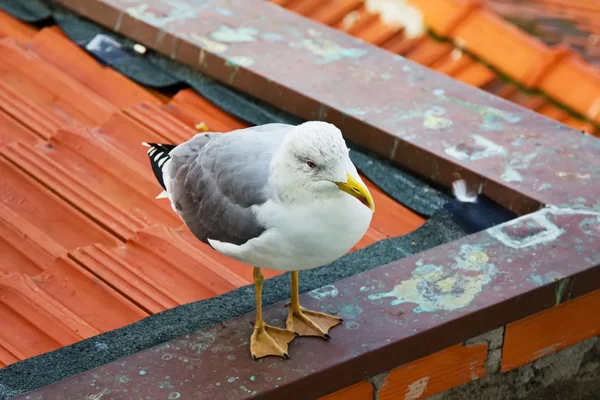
x: 270, y: 341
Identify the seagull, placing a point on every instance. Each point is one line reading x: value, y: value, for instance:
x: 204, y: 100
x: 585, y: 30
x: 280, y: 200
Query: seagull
x: 285, y: 197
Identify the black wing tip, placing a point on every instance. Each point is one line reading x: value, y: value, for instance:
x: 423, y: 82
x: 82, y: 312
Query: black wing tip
x: 158, y: 155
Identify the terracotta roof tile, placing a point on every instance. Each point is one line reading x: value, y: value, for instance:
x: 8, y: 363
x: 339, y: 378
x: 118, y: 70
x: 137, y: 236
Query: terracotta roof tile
x: 11, y: 130
x: 86, y: 246
x: 429, y: 51
x: 333, y: 11
x: 51, y: 44
x: 560, y: 81
x: 33, y: 203
x: 193, y: 109
x: 26, y: 72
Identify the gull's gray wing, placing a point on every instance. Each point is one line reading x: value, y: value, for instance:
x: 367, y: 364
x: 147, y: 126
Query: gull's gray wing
x: 214, y: 179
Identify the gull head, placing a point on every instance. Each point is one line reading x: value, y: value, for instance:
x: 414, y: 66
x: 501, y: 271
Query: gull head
x: 314, y: 162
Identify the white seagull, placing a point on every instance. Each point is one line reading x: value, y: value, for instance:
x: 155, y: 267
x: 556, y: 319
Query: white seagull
x: 275, y: 196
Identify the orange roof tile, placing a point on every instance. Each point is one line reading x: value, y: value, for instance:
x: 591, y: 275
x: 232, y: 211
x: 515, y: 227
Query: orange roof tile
x: 86, y: 247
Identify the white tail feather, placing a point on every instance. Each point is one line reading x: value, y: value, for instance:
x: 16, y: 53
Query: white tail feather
x: 162, y: 195
x: 145, y: 144
x: 459, y: 188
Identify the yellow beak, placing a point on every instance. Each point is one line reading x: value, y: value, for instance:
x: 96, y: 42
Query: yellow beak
x: 356, y: 189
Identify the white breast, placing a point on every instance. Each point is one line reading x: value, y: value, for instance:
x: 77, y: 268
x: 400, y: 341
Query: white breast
x: 303, y: 237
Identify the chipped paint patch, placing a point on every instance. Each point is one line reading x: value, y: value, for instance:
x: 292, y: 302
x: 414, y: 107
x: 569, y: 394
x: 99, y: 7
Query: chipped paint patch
x: 544, y: 186
x: 208, y: 44
x: 325, y: 292
x: 545, y: 279
x: 240, y: 61
x: 226, y: 34
x: 517, y: 162
x: 326, y: 51
x: 354, y: 111
x: 534, y: 229
x: 433, y: 118
x: 99, y: 395
x: 576, y: 175
x: 437, y: 123
x: 172, y: 10
x: 480, y: 148
x: 223, y: 11
x: 272, y: 37
x: 493, y: 118
x: 436, y: 287
x: 511, y: 175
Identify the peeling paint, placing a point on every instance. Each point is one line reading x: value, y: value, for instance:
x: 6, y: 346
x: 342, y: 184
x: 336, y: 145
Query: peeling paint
x: 325, y: 292
x: 517, y: 162
x: 208, y: 44
x: 226, y: 34
x: 272, y: 37
x: 493, y: 118
x: 437, y: 123
x: 483, y: 148
x: 178, y: 10
x: 326, y: 50
x: 534, y: 229
x: 436, y: 287
x: 511, y: 175
x: 433, y: 119
x: 240, y: 61
x: 562, y: 174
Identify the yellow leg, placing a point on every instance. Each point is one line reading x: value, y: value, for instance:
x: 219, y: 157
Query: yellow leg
x: 267, y: 340
x: 306, y: 322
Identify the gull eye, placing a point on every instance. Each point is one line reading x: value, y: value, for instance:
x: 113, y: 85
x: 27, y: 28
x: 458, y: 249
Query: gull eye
x: 310, y: 164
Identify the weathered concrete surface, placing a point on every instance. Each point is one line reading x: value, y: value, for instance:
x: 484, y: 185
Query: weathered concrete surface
x: 571, y: 374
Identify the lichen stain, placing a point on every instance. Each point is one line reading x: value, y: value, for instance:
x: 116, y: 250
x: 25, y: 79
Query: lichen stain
x: 350, y: 312
x: 326, y: 51
x: 436, y: 287
x: 158, y: 16
x: 240, y: 61
x: 226, y: 34
x: 480, y: 148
